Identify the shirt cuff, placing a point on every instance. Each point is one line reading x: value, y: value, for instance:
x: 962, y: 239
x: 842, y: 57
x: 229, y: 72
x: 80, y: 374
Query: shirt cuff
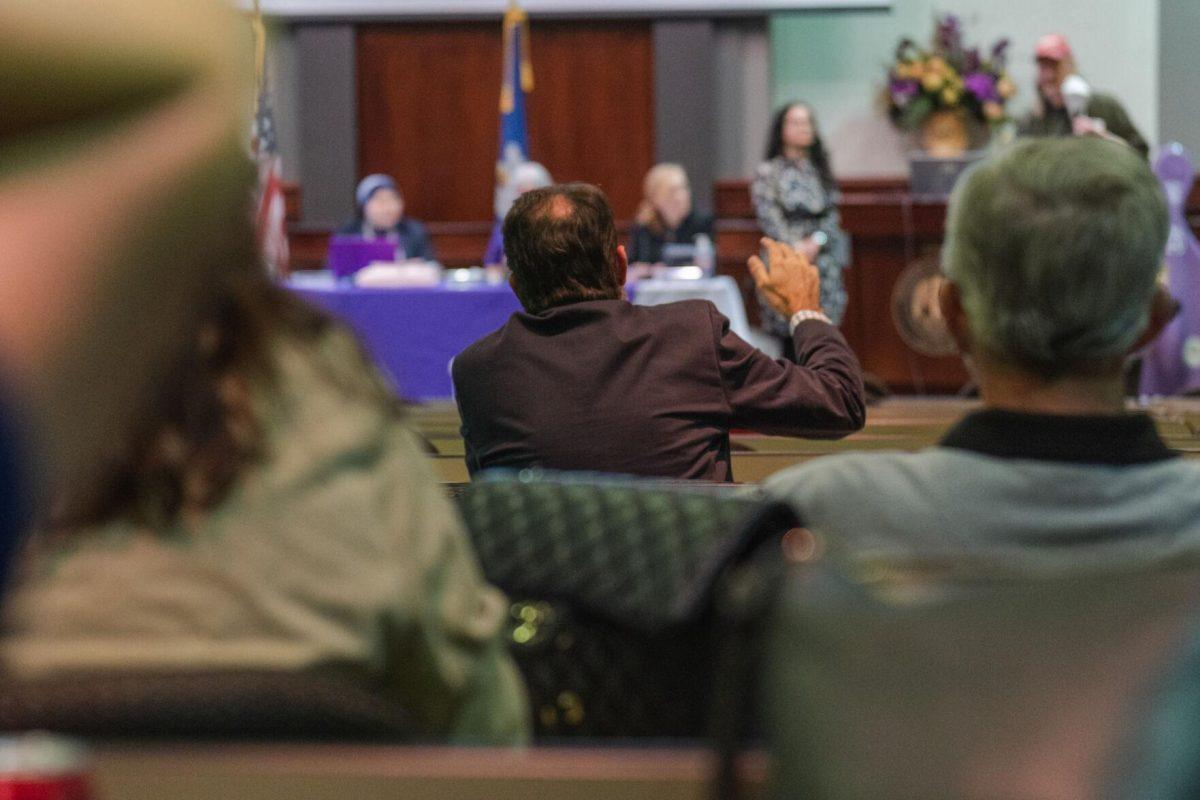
x: 800, y: 316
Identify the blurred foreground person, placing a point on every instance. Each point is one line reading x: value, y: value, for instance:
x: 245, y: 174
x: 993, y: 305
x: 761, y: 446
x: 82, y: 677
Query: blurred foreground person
x: 273, y: 512
x: 140, y: 128
x: 583, y: 379
x: 1052, y: 255
x: 262, y: 506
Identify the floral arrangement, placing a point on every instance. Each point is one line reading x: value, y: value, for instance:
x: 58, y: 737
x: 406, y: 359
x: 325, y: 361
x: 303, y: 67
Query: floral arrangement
x: 948, y: 76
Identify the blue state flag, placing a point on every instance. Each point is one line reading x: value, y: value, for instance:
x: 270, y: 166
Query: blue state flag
x: 516, y: 80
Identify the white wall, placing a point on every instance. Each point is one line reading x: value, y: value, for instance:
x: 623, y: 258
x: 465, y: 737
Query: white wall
x: 836, y: 61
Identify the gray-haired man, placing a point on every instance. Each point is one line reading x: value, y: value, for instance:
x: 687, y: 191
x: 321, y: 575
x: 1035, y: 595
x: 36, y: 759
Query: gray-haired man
x: 1052, y: 254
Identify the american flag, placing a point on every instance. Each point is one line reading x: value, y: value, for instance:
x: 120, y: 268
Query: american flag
x: 271, y: 218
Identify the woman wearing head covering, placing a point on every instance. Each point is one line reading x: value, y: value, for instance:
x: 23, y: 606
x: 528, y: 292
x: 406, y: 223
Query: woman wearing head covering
x: 795, y: 198
x: 381, y: 216
x: 665, y: 216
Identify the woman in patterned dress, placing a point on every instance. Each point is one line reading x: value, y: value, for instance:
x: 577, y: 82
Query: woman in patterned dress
x: 795, y: 198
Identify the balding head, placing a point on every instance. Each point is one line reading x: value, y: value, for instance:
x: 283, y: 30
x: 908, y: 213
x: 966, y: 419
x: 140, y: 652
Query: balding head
x: 561, y: 246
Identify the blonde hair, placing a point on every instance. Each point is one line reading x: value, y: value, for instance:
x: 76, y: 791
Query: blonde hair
x: 658, y: 176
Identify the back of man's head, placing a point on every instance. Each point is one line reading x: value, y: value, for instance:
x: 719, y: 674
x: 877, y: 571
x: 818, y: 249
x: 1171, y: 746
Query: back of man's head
x: 561, y: 245
x: 1055, y: 246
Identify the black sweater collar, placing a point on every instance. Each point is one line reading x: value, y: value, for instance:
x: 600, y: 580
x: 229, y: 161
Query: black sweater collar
x: 1118, y: 439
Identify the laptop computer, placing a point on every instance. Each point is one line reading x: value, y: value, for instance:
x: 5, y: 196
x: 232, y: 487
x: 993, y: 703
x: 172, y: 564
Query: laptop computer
x: 348, y: 253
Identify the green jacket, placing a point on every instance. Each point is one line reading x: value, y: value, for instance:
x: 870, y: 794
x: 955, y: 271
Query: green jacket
x: 1056, y: 122
x: 338, y: 549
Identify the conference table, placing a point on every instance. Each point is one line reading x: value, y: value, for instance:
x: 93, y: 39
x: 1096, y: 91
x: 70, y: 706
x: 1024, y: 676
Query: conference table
x: 414, y: 333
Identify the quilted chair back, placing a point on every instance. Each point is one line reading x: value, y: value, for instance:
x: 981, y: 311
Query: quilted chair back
x: 612, y: 582
x: 967, y: 679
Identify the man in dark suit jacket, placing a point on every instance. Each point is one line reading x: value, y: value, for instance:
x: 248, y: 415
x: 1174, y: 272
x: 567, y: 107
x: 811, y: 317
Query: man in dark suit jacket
x: 585, y: 380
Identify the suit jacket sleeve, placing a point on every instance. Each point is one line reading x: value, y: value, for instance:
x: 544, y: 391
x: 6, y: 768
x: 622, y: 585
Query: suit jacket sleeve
x: 821, y: 395
x: 464, y: 430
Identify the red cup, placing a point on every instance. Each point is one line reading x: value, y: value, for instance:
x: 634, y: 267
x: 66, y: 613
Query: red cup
x: 40, y: 766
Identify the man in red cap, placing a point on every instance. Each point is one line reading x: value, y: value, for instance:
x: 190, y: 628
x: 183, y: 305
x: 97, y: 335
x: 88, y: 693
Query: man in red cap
x: 1066, y: 105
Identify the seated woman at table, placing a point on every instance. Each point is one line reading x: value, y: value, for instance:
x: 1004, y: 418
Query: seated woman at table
x: 665, y: 216
x: 381, y: 216
x: 795, y: 199
x: 273, y: 514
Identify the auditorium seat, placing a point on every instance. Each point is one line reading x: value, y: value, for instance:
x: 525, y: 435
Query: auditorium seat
x: 374, y: 772
x: 613, y: 582
x: 204, y: 706
x: 963, y: 677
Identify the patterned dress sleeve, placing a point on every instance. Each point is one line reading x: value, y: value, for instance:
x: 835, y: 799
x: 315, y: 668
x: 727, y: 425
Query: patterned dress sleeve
x: 764, y: 192
x: 838, y: 245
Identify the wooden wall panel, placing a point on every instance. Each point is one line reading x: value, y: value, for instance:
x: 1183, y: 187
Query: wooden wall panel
x: 427, y: 109
x: 591, y: 117
x: 427, y: 98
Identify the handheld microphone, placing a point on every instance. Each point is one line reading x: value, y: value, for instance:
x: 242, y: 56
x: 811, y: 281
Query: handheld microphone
x: 1075, y: 93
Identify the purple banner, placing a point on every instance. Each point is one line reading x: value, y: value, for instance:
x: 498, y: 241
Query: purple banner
x: 1171, y: 365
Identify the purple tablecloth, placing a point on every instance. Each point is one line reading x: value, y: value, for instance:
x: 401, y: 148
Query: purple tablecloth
x: 414, y: 333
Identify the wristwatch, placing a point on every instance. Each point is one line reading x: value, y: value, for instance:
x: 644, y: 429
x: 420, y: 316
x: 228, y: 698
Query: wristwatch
x: 801, y: 316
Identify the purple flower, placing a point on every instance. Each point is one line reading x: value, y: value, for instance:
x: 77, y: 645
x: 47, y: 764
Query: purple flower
x: 948, y: 34
x: 1000, y: 53
x: 971, y: 60
x: 982, y: 85
x: 902, y: 90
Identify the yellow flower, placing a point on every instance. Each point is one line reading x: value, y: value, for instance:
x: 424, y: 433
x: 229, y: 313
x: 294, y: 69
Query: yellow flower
x: 932, y: 81
x: 1005, y: 87
x: 993, y: 110
x: 950, y: 95
x: 937, y: 64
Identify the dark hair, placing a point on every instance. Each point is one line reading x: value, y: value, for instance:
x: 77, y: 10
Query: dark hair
x: 816, y: 151
x: 202, y: 430
x: 561, y: 245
